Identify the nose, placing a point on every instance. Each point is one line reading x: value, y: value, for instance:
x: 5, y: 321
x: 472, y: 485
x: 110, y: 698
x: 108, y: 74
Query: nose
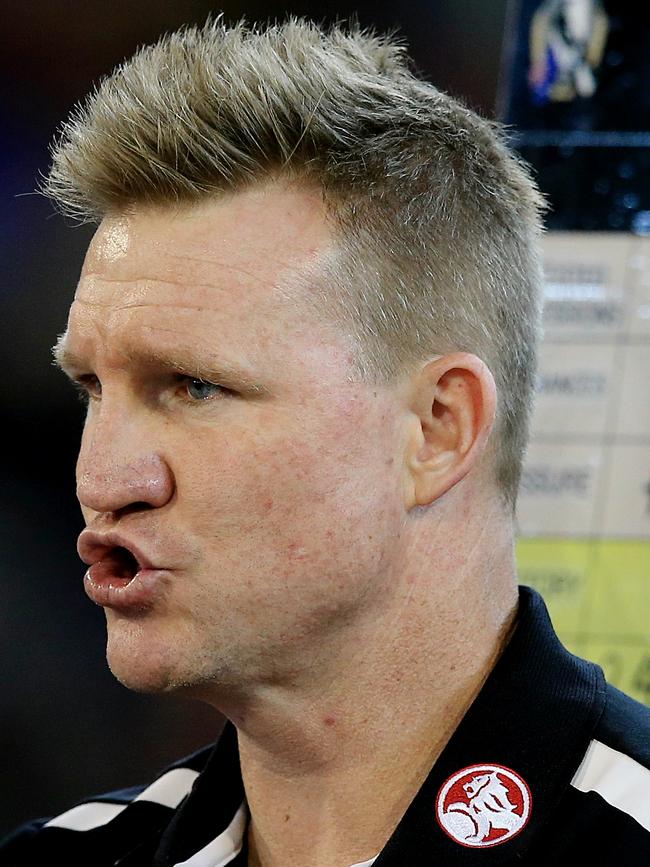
x: 118, y: 470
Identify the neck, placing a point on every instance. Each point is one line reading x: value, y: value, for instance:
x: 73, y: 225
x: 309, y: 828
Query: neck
x: 331, y: 760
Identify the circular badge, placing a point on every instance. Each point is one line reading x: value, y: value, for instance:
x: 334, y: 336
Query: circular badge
x: 483, y: 805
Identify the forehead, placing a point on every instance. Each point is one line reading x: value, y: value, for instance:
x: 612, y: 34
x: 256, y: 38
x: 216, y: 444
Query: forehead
x: 237, y: 272
x: 251, y: 245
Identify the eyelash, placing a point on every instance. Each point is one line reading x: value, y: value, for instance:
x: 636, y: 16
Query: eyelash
x: 84, y: 385
x: 82, y: 388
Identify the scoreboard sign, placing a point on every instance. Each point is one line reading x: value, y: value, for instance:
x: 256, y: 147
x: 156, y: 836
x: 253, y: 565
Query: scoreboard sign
x: 584, y: 504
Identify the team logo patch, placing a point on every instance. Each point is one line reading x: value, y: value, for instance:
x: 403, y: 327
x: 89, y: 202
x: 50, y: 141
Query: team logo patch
x: 483, y: 805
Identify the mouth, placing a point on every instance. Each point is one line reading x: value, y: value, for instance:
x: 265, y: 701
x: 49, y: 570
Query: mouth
x: 118, y: 576
x: 117, y: 568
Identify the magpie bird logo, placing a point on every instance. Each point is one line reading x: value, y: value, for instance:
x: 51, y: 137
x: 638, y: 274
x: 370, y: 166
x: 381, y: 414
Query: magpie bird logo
x: 483, y: 805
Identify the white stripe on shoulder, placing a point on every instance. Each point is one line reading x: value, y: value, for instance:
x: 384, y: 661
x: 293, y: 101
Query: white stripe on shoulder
x: 366, y: 863
x: 168, y: 790
x: 85, y: 817
x: 619, y: 779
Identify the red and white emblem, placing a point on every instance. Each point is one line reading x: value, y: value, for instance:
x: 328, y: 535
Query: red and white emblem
x: 483, y: 805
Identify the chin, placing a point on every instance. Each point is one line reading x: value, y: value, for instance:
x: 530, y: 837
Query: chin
x: 154, y: 656
x: 138, y: 661
x: 138, y: 676
x: 150, y: 664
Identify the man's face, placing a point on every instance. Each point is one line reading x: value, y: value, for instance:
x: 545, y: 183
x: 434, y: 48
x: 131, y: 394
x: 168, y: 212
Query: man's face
x: 273, y: 503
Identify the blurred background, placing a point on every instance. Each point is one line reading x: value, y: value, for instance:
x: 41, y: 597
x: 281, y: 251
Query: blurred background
x: 576, y: 97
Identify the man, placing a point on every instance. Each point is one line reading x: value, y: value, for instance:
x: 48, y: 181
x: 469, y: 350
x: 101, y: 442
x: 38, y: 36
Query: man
x: 306, y: 331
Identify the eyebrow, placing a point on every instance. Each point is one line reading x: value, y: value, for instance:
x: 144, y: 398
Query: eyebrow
x: 213, y: 370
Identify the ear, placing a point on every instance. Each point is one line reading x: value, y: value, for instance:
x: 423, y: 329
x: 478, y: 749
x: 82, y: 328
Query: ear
x: 453, y: 404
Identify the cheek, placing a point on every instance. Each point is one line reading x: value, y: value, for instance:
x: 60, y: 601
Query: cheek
x: 282, y: 506
x: 244, y: 486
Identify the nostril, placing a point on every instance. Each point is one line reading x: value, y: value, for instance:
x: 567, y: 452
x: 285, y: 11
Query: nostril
x: 140, y: 506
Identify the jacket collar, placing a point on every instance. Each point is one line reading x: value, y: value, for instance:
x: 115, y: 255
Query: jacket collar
x: 534, y: 716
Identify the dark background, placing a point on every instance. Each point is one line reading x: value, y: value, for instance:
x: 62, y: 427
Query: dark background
x: 591, y: 156
x: 67, y: 729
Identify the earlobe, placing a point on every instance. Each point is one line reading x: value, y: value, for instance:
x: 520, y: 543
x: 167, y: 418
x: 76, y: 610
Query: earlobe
x: 454, y: 407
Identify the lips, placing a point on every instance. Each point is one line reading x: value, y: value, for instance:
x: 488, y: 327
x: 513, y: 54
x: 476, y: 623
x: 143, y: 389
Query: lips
x: 120, y: 574
x: 93, y: 546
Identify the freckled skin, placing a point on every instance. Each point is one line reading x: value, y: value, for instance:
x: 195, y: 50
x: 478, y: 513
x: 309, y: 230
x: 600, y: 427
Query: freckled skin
x: 259, y: 507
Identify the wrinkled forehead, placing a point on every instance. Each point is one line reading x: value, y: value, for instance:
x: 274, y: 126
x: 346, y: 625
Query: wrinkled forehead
x: 262, y: 236
x: 243, y: 267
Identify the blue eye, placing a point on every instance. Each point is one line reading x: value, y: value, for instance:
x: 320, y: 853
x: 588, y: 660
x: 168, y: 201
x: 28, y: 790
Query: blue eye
x: 197, y: 389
